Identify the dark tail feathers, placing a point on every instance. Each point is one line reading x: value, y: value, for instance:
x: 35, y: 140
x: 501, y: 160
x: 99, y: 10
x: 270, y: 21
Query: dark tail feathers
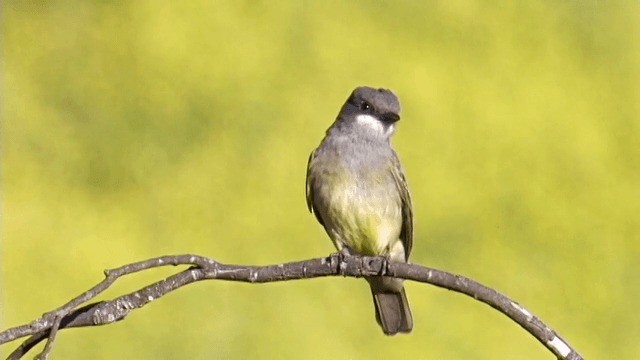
x: 392, y: 311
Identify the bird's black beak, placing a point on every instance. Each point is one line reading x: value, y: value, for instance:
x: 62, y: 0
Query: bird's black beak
x: 390, y: 118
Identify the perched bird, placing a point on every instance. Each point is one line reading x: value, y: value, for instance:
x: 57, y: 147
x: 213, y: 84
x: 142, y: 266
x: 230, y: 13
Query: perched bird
x: 357, y: 190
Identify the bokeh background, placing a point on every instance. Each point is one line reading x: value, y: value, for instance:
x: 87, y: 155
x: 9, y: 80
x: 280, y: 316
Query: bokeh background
x: 137, y: 129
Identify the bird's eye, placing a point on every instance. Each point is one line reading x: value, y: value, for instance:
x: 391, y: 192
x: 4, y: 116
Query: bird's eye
x: 365, y: 106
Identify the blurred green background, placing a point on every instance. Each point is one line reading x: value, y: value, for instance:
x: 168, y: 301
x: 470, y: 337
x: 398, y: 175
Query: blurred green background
x: 137, y: 129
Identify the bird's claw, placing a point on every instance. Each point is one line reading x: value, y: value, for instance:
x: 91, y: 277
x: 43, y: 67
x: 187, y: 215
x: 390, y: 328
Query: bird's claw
x: 342, y: 256
x: 386, y: 260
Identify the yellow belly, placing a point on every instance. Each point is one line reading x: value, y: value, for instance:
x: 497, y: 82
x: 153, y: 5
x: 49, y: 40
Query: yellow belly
x: 368, y: 225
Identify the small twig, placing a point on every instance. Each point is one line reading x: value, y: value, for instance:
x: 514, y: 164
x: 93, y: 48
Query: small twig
x: 102, y: 313
x: 46, y: 321
x: 44, y: 355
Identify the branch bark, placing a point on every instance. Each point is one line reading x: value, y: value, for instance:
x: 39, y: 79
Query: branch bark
x: 72, y: 314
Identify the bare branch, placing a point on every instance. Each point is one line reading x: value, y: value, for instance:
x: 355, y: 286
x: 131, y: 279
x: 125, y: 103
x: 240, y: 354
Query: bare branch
x: 202, y: 268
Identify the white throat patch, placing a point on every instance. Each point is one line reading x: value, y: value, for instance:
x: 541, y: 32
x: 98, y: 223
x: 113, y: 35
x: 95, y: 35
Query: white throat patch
x: 375, y: 124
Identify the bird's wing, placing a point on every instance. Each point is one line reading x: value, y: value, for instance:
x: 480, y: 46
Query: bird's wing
x: 406, y: 234
x: 310, y: 180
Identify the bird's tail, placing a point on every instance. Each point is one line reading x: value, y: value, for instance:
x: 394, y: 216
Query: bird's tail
x: 392, y: 308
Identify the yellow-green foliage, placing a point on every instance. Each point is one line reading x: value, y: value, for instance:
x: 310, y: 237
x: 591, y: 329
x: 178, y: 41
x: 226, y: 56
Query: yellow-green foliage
x: 139, y: 128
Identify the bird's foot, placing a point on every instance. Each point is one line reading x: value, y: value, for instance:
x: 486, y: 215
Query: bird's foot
x: 386, y: 260
x: 342, y: 256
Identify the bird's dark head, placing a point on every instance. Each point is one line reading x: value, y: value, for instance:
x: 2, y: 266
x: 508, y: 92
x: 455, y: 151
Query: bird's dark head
x: 374, y: 110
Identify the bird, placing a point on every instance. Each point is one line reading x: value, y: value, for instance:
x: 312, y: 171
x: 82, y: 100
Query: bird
x: 357, y: 190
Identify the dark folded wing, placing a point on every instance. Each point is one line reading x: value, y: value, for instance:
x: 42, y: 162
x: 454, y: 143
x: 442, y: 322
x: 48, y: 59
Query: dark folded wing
x: 309, y: 182
x: 406, y: 234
